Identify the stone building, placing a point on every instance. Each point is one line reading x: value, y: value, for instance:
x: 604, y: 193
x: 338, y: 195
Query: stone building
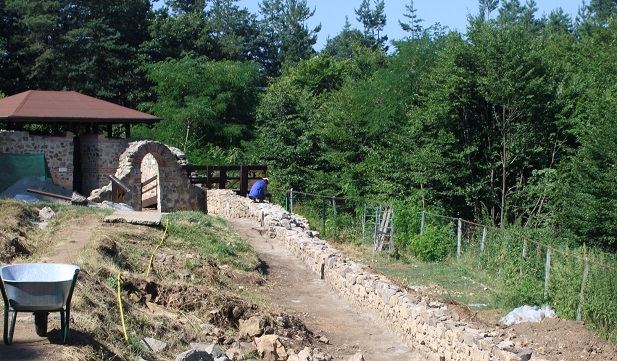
x: 85, y: 141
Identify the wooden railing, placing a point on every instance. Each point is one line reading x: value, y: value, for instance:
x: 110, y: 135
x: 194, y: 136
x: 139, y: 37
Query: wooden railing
x: 118, y: 189
x: 237, y: 177
x: 149, y: 192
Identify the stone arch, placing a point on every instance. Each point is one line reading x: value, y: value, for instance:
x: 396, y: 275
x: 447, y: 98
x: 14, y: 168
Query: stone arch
x: 175, y: 189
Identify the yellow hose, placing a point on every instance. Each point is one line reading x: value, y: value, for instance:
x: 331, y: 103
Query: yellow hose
x: 126, y: 337
x: 157, y: 247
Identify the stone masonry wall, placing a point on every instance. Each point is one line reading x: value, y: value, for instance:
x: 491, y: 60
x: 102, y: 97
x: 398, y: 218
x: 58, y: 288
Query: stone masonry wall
x: 58, y: 152
x: 176, y: 191
x: 426, y: 325
x: 99, y: 157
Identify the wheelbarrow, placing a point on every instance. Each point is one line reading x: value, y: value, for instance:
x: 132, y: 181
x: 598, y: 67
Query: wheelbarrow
x: 40, y: 288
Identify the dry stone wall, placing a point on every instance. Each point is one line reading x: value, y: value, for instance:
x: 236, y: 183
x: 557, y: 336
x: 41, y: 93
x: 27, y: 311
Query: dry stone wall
x: 426, y: 325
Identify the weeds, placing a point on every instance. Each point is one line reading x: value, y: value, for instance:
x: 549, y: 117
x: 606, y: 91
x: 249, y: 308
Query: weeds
x: 194, y: 273
x: 512, y: 269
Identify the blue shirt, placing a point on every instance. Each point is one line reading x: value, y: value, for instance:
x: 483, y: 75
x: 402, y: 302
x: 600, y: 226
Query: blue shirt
x: 258, y: 190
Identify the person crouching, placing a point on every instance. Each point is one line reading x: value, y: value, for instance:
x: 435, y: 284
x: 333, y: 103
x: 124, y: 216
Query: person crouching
x: 259, y: 191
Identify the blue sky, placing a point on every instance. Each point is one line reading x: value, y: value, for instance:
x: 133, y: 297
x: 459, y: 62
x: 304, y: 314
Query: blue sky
x: 451, y: 13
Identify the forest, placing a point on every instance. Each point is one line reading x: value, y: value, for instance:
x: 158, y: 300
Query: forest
x: 510, y: 123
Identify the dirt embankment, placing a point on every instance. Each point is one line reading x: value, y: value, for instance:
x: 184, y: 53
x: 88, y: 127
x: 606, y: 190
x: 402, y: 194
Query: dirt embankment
x: 321, y: 318
x: 318, y: 318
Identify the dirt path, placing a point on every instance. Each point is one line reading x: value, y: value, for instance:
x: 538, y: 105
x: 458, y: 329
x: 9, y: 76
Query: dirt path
x: 292, y: 286
x: 300, y: 292
x: 64, y: 248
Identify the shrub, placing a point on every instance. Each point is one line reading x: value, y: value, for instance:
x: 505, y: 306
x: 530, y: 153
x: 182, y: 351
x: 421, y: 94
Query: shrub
x: 435, y: 244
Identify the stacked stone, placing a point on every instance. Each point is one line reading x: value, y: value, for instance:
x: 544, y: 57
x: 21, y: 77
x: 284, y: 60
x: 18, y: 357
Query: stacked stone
x: 225, y: 203
x: 58, y: 152
x: 99, y: 157
x: 425, y: 325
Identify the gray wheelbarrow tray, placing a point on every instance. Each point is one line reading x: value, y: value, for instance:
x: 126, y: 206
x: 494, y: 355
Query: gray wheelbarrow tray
x: 40, y: 288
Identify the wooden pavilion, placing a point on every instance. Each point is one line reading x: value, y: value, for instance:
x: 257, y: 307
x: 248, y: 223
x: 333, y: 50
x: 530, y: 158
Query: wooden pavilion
x: 69, y: 110
x: 80, y: 136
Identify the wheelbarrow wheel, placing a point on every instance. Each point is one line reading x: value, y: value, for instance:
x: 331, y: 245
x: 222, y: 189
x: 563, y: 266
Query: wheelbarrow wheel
x: 40, y: 323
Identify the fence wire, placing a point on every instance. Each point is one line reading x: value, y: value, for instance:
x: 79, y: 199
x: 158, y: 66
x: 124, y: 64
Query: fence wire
x: 578, y: 283
x: 335, y: 218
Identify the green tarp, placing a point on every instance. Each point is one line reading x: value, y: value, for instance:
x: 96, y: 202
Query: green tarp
x: 14, y: 167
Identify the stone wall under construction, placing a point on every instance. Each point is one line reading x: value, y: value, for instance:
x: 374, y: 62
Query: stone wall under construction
x: 428, y: 326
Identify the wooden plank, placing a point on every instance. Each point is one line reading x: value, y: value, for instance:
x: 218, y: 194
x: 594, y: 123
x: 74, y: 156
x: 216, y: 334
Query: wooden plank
x: 148, y: 202
x: 148, y: 181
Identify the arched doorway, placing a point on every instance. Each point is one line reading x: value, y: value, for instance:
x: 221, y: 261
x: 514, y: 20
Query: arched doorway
x: 149, y: 182
x: 141, y: 161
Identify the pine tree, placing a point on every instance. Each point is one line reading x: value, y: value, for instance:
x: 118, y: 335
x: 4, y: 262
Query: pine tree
x: 374, y: 21
x: 413, y: 26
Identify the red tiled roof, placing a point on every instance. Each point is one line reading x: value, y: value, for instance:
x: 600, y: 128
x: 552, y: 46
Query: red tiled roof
x: 42, y: 106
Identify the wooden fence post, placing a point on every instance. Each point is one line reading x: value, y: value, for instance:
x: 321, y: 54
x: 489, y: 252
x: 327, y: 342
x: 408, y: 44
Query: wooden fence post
x: 459, y: 238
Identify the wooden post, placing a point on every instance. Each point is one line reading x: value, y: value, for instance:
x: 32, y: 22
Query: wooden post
x: 222, y: 177
x: 118, y: 189
x: 208, y: 177
x: 244, y: 181
x: 459, y: 238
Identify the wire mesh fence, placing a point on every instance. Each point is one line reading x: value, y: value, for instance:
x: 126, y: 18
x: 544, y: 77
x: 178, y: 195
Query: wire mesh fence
x: 335, y: 218
x: 516, y: 269
x: 579, y: 283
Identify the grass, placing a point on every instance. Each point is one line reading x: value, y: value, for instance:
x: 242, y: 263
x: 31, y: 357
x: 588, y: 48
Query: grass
x: 200, y: 267
x: 202, y: 233
x: 444, y: 280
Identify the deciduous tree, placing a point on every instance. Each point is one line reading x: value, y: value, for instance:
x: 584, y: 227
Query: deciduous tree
x: 203, y: 102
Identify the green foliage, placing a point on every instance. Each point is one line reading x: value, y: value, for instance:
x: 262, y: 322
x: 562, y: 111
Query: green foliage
x: 600, y: 307
x: 434, y: 244
x: 407, y: 222
x: 344, y: 228
x: 197, y: 99
x: 586, y: 180
x: 285, y: 38
x: 285, y: 133
x: 113, y: 282
x: 338, y: 220
x: 82, y: 46
x: 373, y: 20
x: 519, y: 287
x: 346, y: 44
x: 413, y: 26
x: 320, y: 74
x: 224, y: 31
